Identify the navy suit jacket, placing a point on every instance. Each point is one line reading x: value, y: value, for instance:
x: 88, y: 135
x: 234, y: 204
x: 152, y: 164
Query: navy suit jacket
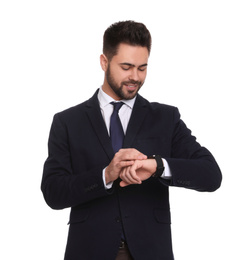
x: 79, y: 150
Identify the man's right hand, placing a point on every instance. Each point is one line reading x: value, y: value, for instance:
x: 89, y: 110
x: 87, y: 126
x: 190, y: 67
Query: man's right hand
x: 123, y: 158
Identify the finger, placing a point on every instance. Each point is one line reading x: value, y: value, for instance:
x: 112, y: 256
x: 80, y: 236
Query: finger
x: 124, y: 176
x: 129, y: 175
x: 133, y: 170
x: 125, y: 164
x: 132, y: 175
x: 123, y: 184
x: 130, y: 154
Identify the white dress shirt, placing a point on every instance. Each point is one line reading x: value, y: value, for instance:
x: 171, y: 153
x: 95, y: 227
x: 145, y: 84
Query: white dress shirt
x: 124, y: 115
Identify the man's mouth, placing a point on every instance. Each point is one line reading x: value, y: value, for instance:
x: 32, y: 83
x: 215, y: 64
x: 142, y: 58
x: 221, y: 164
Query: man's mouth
x: 131, y: 86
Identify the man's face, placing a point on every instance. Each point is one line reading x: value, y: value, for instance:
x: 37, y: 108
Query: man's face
x: 126, y: 72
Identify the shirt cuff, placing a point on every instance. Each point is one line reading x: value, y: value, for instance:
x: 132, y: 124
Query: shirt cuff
x: 109, y: 185
x: 167, y: 173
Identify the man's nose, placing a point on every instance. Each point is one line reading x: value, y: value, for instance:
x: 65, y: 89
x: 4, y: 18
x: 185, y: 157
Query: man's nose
x: 134, y: 75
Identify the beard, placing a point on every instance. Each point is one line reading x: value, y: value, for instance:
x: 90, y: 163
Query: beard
x: 118, y: 88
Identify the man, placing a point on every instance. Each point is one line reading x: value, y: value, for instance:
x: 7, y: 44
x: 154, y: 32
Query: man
x: 117, y: 189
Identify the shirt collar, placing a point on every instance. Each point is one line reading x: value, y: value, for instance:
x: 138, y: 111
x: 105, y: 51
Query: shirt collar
x: 105, y: 99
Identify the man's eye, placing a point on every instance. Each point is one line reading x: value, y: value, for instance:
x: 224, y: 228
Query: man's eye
x: 142, y: 69
x: 125, y: 68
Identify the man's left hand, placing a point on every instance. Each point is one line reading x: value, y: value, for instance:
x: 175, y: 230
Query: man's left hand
x: 141, y: 170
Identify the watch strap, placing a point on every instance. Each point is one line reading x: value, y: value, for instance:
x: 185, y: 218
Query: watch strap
x: 160, y: 165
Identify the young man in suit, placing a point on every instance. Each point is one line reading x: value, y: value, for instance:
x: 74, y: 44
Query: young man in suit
x: 113, y: 166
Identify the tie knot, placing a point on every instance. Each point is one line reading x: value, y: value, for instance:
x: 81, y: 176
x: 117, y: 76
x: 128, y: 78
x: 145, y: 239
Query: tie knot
x: 117, y: 105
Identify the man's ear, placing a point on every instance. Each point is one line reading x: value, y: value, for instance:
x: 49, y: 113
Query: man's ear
x: 104, y: 62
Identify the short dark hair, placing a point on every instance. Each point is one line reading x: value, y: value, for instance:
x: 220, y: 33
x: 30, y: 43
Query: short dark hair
x: 129, y: 32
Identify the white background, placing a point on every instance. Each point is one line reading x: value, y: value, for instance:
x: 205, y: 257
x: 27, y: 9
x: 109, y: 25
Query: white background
x: 49, y: 61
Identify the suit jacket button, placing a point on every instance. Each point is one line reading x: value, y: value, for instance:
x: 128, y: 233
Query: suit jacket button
x: 118, y: 220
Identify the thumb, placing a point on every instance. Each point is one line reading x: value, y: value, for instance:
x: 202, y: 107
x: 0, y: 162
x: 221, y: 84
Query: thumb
x: 123, y: 184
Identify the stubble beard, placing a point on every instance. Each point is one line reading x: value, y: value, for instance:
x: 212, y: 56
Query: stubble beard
x: 118, y: 89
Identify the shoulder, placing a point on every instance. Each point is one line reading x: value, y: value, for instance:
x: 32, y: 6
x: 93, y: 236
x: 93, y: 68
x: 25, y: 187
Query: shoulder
x: 70, y: 113
x: 156, y: 107
x: 78, y: 110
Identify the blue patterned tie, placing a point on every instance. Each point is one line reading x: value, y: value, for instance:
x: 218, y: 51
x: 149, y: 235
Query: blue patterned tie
x: 116, y: 130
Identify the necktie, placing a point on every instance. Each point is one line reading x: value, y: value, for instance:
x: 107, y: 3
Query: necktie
x: 117, y: 136
x: 116, y: 130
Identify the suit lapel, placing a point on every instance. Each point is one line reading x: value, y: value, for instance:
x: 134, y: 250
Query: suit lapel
x: 139, y: 112
x: 98, y: 124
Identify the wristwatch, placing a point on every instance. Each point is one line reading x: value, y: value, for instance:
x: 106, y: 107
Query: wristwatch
x: 160, y: 165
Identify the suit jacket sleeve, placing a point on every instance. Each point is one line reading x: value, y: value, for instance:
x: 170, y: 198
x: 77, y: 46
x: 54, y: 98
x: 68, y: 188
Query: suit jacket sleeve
x: 192, y: 166
x: 62, y: 187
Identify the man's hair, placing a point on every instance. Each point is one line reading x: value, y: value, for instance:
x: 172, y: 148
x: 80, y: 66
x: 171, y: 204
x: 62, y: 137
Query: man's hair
x: 129, y: 32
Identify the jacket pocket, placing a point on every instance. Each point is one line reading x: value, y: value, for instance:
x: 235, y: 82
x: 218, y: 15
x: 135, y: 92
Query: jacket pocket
x: 79, y: 215
x: 162, y: 216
